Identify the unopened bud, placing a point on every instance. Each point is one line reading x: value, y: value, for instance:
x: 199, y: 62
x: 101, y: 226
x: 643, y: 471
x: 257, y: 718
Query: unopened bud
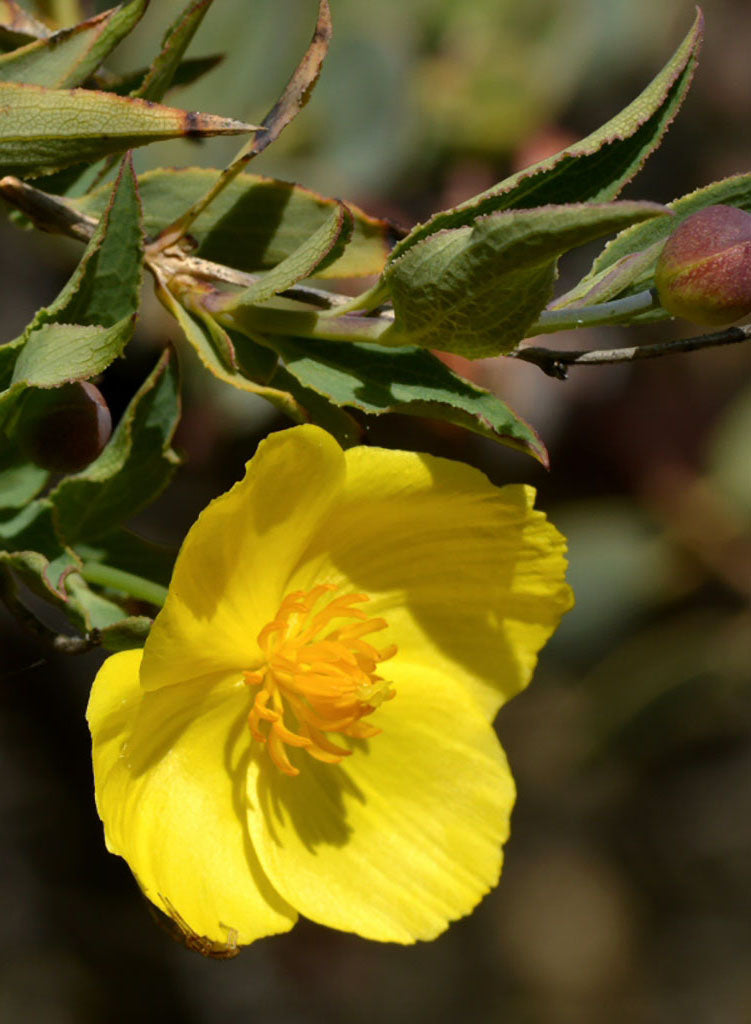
x: 64, y: 429
x: 704, y: 271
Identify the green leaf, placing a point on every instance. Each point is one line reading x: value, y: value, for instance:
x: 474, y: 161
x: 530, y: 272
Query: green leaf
x: 91, y: 320
x: 187, y: 72
x: 199, y: 336
x: 593, y: 169
x: 300, y: 264
x: 162, y: 72
x: 126, y: 634
x: 8, y: 355
x: 105, y: 286
x: 43, y: 130
x: 20, y: 480
x: 610, y: 281
x: 406, y: 380
x: 32, y: 529
x: 31, y: 548
x: 627, y: 263
x: 56, y: 353
x: 134, y: 467
x: 477, y: 290
x: 319, y: 408
x: 254, y: 223
x: 67, y: 58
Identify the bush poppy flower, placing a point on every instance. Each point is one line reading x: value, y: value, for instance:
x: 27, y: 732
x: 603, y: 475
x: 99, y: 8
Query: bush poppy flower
x: 308, y: 727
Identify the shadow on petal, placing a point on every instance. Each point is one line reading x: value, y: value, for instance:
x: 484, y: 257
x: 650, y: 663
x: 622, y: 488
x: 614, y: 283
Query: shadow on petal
x: 311, y: 803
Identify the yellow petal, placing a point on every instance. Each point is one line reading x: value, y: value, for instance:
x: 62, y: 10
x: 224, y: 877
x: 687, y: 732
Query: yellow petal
x: 404, y: 836
x: 169, y: 769
x: 469, y: 576
x: 234, y: 565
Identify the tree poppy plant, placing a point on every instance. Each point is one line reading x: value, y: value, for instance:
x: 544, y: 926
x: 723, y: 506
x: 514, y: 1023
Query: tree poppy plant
x: 308, y: 729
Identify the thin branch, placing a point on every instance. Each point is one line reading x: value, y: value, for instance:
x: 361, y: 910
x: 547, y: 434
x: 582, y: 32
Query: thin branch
x: 555, y: 362
x: 47, y: 212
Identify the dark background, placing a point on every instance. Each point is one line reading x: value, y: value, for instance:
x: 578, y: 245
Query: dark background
x: 626, y: 894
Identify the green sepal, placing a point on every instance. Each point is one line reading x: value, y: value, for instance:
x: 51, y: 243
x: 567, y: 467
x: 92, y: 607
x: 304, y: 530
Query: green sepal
x: 627, y: 263
x: 477, y: 290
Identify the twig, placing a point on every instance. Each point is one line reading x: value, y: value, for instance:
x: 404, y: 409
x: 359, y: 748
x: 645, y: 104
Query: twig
x: 556, y: 362
x: 47, y: 212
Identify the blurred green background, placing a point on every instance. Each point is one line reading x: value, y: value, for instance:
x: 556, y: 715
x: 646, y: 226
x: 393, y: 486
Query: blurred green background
x: 626, y: 894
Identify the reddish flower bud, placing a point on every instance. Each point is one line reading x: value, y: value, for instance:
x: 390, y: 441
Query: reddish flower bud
x: 704, y: 271
x: 65, y: 428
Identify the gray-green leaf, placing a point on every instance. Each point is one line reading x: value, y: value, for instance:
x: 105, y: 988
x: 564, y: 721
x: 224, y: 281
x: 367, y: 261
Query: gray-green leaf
x: 43, y: 130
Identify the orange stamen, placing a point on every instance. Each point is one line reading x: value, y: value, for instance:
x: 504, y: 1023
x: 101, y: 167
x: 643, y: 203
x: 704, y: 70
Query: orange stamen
x: 324, y: 675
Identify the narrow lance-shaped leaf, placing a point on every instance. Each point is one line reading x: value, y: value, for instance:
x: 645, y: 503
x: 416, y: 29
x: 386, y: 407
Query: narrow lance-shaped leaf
x: 69, y: 57
x: 188, y: 71
x: 593, y: 169
x: 477, y: 290
x: 161, y: 74
x: 43, y: 130
x: 296, y: 94
x: 300, y: 264
x: 154, y: 83
x: 105, y: 286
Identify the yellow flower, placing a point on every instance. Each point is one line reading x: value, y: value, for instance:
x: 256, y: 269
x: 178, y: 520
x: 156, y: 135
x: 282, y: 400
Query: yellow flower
x: 308, y: 728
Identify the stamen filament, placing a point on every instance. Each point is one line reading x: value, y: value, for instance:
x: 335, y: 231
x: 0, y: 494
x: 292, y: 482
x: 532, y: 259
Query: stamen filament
x: 324, y: 677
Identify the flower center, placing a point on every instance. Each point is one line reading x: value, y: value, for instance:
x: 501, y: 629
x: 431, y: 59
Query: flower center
x: 319, y: 669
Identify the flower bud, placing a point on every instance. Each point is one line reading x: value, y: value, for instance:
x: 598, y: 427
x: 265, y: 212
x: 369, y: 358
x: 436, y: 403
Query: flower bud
x: 64, y: 429
x: 704, y: 271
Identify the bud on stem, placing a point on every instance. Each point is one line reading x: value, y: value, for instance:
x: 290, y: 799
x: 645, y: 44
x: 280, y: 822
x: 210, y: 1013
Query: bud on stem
x: 704, y: 271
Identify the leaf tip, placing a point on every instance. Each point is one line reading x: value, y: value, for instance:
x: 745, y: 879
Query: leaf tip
x: 197, y: 125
